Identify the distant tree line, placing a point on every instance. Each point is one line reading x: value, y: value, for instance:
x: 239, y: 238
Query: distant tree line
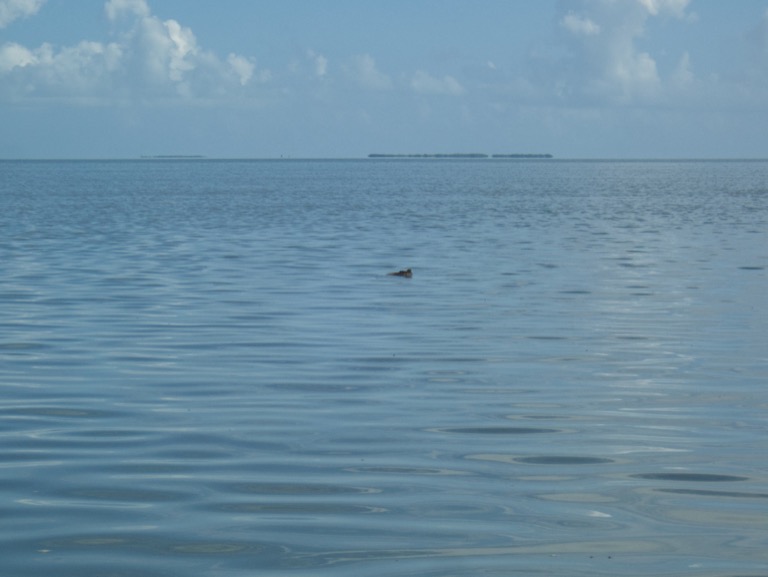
x: 459, y: 155
x: 174, y: 156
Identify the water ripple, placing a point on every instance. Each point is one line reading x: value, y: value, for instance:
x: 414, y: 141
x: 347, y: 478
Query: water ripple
x: 206, y: 370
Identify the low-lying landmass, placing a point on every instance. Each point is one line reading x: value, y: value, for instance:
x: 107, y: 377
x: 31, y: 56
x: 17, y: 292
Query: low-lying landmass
x: 521, y: 156
x: 174, y: 157
x: 460, y: 155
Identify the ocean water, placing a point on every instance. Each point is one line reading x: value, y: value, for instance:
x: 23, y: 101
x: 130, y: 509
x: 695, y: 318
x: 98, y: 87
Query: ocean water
x: 205, y: 369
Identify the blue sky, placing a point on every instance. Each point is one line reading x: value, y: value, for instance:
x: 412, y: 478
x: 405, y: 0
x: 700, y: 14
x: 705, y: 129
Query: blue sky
x: 343, y: 78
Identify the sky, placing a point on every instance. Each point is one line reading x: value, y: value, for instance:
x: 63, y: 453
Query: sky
x: 345, y: 78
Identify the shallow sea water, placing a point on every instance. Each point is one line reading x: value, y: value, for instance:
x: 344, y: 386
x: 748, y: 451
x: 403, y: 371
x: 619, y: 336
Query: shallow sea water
x: 206, y: 371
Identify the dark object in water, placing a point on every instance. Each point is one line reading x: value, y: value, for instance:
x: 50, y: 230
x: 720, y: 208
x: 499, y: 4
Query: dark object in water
x: 406, y: 273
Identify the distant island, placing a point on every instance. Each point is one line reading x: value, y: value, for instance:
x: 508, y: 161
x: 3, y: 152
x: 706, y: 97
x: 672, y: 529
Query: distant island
x: 174, y: 157
x: 460, y: 155
x: 522, y: 156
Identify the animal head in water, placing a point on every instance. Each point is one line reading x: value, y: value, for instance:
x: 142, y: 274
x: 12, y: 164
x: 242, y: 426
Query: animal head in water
x: 407, y: 273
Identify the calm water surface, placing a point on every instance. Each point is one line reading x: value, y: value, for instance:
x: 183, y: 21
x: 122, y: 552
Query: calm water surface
x: 206, y: 371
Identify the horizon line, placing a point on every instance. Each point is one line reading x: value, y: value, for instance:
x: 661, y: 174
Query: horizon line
x: 385, y: 157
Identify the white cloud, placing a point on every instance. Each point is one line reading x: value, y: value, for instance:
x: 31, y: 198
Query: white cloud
x: 161, y: 57
x: 14, y: 55
x: 602, y: 62
x: 11, y: 10
x: 368, y: 75
x: 424, y: 83
x: 319, y: 62
x: 76, y: 70
x: 579, y: 25
x: 181, y: 50
x: 150, y: 58
x: 683, y: 76
x: 242, y: 67
x: 114, y: 9
x: 674, y: 7
x: 164, y: 57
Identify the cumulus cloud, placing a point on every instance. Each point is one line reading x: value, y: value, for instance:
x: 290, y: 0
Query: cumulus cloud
x: 14, y: 55
x: 149, y: 58
x: 424, y: 83
x: 11, y: 10
x: 579, y: 25
x: 366, y: 73
x: 674, y: 7
x: 164, y: 57
x: 73, y: 71
x: 115, y: 9
x: 181, y: 49
x: 602, y: 61
x: 683, y: 76
x: 243, y: 68
x: 319, y: 63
